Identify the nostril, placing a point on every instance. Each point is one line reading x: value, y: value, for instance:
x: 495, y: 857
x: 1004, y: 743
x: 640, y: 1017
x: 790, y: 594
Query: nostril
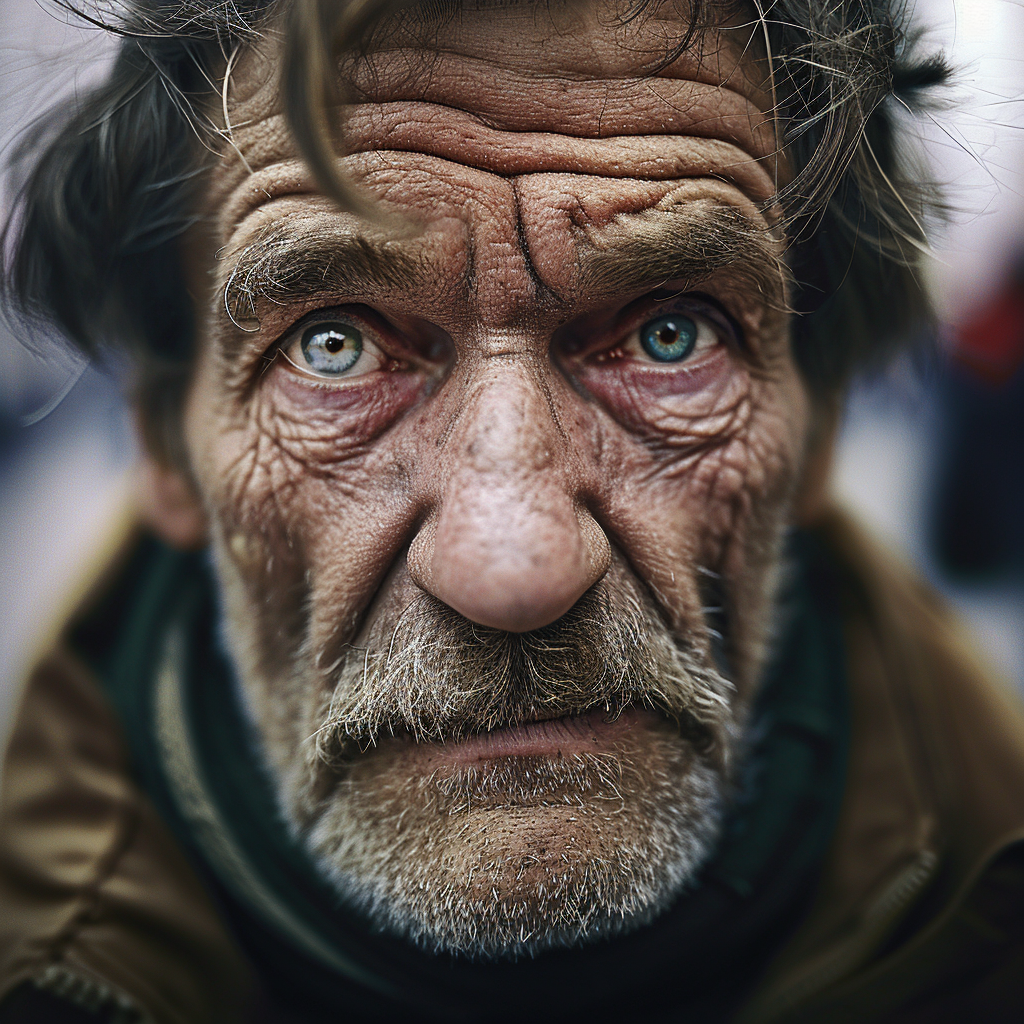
x: 420, y: 556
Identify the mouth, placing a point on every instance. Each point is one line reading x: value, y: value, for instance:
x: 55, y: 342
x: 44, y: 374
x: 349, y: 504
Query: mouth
x: 570, y: 735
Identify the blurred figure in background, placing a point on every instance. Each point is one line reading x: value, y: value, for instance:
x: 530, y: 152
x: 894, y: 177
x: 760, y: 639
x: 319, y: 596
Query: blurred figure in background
x: 978, y: 519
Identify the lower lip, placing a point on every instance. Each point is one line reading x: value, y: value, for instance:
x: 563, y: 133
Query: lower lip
x: 559, y: 737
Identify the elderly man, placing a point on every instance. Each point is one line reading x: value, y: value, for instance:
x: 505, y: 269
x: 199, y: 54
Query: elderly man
x: 501, y: 657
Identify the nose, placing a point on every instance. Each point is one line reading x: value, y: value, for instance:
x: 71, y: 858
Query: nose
x: 510, y: 545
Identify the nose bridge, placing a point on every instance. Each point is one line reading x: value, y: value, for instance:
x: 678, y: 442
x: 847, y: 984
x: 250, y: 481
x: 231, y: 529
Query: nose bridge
x: 512, y: 546
x: 507, y: 429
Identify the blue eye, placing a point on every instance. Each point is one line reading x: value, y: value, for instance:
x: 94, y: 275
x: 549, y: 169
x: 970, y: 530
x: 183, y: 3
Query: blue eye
x: 669, y: 339
x: 332, y: 348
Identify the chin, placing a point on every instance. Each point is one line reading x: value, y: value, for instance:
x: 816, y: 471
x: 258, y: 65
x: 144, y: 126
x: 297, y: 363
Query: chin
x: 512, y: 855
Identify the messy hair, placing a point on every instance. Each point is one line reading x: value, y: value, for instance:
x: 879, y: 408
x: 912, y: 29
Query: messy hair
x: 95, y: 246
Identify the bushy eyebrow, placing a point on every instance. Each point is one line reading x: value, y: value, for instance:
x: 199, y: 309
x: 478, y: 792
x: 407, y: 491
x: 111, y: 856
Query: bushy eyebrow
x: 688, y: 242
x: 282, y: 266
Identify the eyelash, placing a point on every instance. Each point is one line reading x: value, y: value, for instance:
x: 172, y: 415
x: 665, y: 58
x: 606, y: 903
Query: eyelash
x: 709, y: 306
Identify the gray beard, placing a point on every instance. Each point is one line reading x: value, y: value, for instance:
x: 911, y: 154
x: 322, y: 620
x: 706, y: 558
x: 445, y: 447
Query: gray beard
x: 419, y: 860
x: 527, y: 853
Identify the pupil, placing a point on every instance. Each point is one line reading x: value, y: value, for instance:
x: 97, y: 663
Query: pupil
x: 334, y: 343
x: 668, y: 334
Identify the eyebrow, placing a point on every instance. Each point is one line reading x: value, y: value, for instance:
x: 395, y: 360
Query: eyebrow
x: 282, y: 266
x: 690, y: 242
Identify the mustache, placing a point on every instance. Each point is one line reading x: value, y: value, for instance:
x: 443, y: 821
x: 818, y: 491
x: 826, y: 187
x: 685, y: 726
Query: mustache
x: 438, y: 677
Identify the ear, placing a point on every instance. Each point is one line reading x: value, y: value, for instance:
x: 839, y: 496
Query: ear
x: 169, y: 505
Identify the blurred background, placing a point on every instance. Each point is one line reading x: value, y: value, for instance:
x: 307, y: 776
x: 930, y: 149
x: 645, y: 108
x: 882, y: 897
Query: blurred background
x: 932, y: 456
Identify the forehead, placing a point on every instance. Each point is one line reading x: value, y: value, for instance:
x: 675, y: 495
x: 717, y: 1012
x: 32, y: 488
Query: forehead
x: 583, y: 112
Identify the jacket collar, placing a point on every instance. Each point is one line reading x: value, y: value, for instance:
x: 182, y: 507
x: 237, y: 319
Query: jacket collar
x: 935, y: 793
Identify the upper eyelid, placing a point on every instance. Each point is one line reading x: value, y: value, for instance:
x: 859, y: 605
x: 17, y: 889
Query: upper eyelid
x: 326, y: 315
x: 703, y: 301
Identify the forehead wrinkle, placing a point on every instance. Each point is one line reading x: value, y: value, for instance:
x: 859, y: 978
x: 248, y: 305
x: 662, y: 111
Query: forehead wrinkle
x: 689, y: 241
x: 712, y: 55
x: 511, y: 127
x: 536, y: 281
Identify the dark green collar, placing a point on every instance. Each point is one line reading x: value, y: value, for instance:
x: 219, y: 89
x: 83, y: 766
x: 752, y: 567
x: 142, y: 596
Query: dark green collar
x: 164, y: 671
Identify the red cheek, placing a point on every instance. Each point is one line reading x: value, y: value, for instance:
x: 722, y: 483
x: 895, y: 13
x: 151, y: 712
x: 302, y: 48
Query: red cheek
x: 357, y: 411
x: 639, y: 395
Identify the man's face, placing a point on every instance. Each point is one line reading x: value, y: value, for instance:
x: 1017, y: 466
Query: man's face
x: 488, y: 475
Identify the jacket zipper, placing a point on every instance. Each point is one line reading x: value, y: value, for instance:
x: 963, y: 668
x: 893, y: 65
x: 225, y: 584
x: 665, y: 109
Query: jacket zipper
x: 878, y: 921
x: 87, y: 993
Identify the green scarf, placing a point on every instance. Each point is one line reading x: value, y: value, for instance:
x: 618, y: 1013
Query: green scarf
x: 154, y: 644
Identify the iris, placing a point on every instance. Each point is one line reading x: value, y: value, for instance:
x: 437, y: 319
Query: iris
x: 669, y: 339
x: 332, y: 348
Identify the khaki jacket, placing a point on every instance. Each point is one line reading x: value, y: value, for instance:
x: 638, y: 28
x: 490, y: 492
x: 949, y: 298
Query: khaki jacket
x: 919, y: 915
